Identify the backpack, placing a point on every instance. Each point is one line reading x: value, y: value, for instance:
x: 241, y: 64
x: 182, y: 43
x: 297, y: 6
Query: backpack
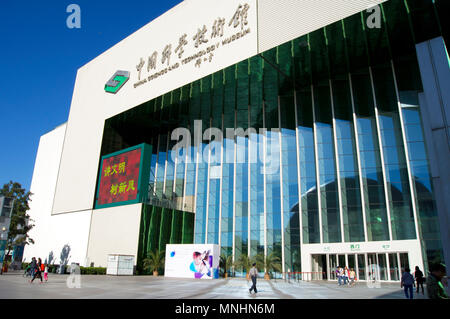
x: 407, y: 279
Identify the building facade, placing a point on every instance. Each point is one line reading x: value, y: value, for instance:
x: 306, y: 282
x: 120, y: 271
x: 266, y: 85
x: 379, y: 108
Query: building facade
x: 293, y: 130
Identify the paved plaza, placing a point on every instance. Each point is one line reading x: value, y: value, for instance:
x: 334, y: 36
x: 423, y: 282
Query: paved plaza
x: 14, y: 286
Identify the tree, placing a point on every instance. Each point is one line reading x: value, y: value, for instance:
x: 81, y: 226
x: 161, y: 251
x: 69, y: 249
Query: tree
x: 270, y: 263
x: 225, y: 263
x: 154, y: 261
x: 20, y: 221
x: 244, y: 262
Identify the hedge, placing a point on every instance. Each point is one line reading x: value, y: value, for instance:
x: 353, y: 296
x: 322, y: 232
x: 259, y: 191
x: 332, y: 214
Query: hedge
x: 93, y: 271
x: 84, y: 270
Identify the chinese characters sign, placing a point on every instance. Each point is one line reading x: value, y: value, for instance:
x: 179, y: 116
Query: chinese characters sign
x: 195, y: 47
x: 119, y: 178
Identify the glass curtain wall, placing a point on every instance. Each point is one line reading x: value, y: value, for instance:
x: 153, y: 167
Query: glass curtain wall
x: 343, y: 156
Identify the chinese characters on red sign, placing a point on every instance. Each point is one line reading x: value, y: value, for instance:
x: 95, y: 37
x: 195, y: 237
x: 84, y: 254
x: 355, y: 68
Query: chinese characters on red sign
x: 119, y: 178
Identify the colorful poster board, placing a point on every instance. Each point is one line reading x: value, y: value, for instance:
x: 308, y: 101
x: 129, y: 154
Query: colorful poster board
x: 123, y: 177
x: 192, y: 261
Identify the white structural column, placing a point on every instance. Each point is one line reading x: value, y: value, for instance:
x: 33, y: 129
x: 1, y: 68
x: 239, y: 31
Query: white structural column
x: 300, y: 212
x: 166, y: 163
x: 336, y: 157
x: 249, y: 191
x: 207, y: 184
x: 280, y: 163
x: 174, y: 198
x: 222, y: 160
x: 156, y: 166
x: 234, y: 190
x: 388, y: 268
x: 380, y: 144
x: 265, y: 188
x: 316, y: 155
x: 186, y: 159
x: 358, y: 157
x: 408, y: 165
x: 198, y: 146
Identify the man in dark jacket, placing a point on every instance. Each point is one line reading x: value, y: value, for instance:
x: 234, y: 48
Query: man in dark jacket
x: 407, y: 283
x: 418, y: 275
x: 435, y: 288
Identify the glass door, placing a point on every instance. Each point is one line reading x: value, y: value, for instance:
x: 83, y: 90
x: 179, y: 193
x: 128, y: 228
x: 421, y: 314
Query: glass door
x: 341, y: 261
x: 393, y: 267
x: 372, y: 268
x: 404, y: 261
x: 361, y: 272
x: 351, y: 262
x: 333, y: 266
x: 382, y: 266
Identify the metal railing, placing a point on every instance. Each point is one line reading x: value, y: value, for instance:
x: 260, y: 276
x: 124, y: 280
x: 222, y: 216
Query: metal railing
x: 304, y: 276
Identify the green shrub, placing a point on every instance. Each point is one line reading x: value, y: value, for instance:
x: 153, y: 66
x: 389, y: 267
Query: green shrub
x: 93, y: 271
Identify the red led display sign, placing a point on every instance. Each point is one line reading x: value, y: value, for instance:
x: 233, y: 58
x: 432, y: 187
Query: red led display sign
x: 119, y: 178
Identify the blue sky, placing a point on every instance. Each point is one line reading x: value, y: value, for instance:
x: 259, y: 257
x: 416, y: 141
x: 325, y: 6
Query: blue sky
x: 39, y: 58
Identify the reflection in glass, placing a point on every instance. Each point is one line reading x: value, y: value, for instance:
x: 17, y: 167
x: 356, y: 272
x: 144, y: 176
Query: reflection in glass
x: 331, y: 229
x: 256, y: 196
x: 373, y: 185
x: 382, y: 266
x: 393, y: 267
x: 227, y: 198
x: 361, y: 267
x: 308, y: 187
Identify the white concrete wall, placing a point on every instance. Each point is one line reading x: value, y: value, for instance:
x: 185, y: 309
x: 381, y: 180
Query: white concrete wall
x: 91, y: 105
x: 114, y: 231
x: 52, y: 233
x: 282, y: 21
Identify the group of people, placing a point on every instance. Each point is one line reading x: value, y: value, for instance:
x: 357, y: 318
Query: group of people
x: 434, y: 282
x: 345, y: 276
x: 36, y: 268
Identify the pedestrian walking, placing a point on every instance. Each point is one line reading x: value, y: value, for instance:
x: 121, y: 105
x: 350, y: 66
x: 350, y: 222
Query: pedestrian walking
x: 38, y: 271
x: 435, y: 287
x: 346, y: 275
x: 46, y: 273
x: 33, y: 266
x: 253, y: 275
x: 340, y: 275
x: 418, y: 276
x: 407, y: 283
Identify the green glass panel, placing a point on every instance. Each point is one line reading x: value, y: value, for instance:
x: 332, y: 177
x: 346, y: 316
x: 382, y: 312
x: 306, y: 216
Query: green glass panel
x: 229, y: 97
x: 424, y: 19
x: 256, y: 92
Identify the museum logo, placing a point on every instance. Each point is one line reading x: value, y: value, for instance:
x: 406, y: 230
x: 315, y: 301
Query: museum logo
x: 117, y: 81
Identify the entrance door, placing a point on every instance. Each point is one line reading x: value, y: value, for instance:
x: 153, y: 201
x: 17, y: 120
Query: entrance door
x: 333, y: 266
x: 319, y: 267
x: 372, y: 265
x: 393, y: 267
x: 361, y: 267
